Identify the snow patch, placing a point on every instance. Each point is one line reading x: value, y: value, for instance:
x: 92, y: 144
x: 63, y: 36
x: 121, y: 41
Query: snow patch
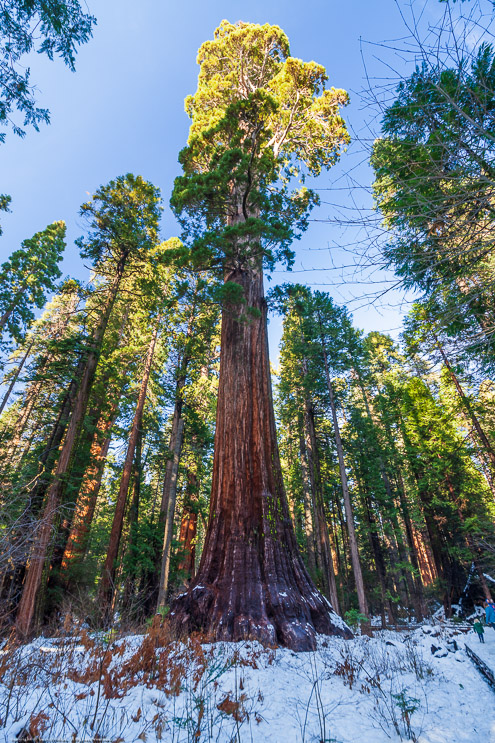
x: 329, y: 694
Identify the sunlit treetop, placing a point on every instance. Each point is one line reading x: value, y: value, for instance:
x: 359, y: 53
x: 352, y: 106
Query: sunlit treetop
x: 259, y: 118
x: 297, y: 116
x: 123, y: 220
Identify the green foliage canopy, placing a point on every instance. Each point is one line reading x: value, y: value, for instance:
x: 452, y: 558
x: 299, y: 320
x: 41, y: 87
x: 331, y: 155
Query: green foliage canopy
x: 51, y: 27
x: 122, y: 219
x: 260, y: 118
x: 27, y: 276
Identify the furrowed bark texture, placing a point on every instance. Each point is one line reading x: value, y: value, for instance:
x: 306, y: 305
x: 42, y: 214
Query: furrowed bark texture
x: 251, y: 583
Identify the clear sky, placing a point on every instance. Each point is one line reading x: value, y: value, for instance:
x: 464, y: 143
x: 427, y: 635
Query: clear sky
x: 122, y: 111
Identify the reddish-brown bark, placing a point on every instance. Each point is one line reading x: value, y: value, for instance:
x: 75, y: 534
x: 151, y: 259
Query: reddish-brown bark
x: 323, y: 538
x: 189, y: 527
x: 251, y: 582
x: 356, y: 563
x: 39, y: 551
x: 108, y: 579
x: 88, y: 494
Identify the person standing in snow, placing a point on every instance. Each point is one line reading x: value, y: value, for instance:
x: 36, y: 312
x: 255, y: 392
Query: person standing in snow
x: 490, y: 613
x: 479, y: 629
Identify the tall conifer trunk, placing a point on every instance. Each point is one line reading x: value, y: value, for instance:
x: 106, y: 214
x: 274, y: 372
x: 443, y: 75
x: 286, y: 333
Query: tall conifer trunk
x: 75, y: 547
x: 15, y: 376
x: 189, y: 526
x: 107, y: 583
x: 251, y: 582
x: 308, y: 516
x: 39, y: 551
x: 356, y: 563
x: 468, y: 407
x: 324, y: 549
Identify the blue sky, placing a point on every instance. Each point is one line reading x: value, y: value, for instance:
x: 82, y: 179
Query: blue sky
x: 122, y: 111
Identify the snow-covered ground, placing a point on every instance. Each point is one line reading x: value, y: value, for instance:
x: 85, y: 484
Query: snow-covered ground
x: 486, y: 650
x: 387, y: 688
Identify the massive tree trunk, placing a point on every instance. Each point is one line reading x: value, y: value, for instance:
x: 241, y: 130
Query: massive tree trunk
x: 251, y: 583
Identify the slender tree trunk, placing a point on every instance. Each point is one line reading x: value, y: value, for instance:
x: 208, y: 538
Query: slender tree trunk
x: 356, y: 564
x: 4, y: 318
x: 379, y: 561
x: 29, y: 403
x: 51, y: 451
x: 30, y: 518
x: 168, y: 489
x: 14, y: 379
x: 251, y: 583
x: 174, y: 450
x: 88, y: 480
x: 412, y: 587
x: 39, y: 551
x: 75, y: 549
x: 30, y: 521
x: 308, y: 516
x: 468, y: 407
x: 189, y: 527
x: 108, y: 579
x: 133, y: 520
x: 170, y: 497
x: 318, y: 507
x: 484, y: 585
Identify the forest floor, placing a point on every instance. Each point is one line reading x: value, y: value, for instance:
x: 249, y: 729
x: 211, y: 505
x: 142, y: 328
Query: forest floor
x: 486, y: 650
x: 415, y: 685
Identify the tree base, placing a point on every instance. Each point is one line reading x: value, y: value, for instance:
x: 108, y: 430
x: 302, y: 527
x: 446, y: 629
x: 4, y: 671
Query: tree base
x: 290, y: 622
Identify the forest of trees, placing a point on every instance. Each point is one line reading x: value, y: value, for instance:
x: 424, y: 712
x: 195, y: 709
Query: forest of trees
x: 147, y: 467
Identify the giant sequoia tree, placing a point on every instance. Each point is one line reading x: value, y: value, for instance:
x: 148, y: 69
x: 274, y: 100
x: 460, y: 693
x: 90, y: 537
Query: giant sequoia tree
x: 260, y: 118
